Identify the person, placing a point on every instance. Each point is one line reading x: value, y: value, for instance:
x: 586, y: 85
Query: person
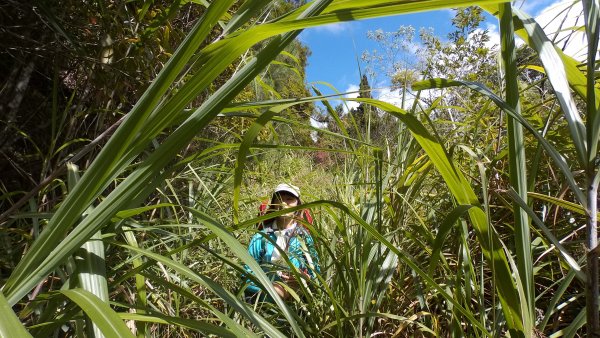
x: 291, y: 237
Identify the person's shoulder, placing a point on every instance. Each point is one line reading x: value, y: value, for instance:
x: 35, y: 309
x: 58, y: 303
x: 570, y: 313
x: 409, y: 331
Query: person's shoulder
x: 257, y: 235
x: 262, y: 233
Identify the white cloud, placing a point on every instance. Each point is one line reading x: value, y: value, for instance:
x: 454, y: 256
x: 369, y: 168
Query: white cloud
x: 389, y: 96
x: 558, y: 20
x: 334, y: 28
x: 331, y: 29
x: 318, y: 124
x: 533, y: 8
x: 350, y: 93
x: 494, y: 35
x: 314, y: 135
x: 349, y: 105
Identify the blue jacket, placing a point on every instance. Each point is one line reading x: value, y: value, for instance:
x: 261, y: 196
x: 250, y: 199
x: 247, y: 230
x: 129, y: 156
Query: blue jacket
x: 262, y: 249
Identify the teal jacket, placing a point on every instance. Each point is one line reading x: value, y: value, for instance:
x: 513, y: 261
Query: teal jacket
x: 262, y: 249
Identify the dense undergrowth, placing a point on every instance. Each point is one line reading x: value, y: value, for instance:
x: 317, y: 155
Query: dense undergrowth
x: 461, y: 213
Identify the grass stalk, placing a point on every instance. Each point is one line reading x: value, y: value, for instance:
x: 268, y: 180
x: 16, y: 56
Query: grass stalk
x: 516, y: 158
x: 591, y: 10
x: 91, y: 264
x: 593, y: 273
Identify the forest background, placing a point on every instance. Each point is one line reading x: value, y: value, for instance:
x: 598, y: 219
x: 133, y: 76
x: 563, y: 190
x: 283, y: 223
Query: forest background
x: 138, y: 139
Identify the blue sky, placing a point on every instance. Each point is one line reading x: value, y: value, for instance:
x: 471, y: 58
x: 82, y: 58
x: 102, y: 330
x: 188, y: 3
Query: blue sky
x: 336, y: 48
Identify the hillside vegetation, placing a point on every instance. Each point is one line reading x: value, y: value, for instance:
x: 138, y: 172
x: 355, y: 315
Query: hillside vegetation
x: 139, y: 138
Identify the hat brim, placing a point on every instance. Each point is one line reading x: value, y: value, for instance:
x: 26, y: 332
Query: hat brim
x: 289, y: 191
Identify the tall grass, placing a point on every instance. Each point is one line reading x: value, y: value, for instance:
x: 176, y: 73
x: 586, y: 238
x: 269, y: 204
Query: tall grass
x: 388, y: 262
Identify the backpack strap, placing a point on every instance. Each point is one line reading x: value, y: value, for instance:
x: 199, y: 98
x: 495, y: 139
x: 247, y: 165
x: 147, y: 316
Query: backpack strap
x: 300, y: 233
x: 263, y: 242
x: 262, y: 209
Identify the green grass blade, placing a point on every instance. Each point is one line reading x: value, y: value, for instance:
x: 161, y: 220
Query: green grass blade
x: 140, y: 282
x: 238, y: 305
x: 443, y: 231
x: 248, y: 9
x: 91, y: 266
x: 464, y: 195
x: 249, y: 138
x: 91, y: 271
x: 556, y: 296
x: 591, y: 10
x: 99, y: 312
x: 102, y: 168
x: 516, y: 159
x: 571, y: 330
x: 10, y: 325
x: 555, y: 70
x: 559, y: 203
x: 552, y: 152
x: 242, y: 253
x: 561, y: 249
x: 181, y: 322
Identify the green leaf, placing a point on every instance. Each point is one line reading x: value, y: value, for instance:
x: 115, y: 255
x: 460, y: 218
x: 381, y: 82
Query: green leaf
x: 559, y: 203
x: 558, y: 246
x: 552, y: 152
x: 182, y: 322
x: 248, y: 9
x: 442, y: 234
x: 91, y: 265
x: 517, y: 160
x: 464, y: 195
x: 10, y: 325
x: 249, y: 138
x: 555, y: 70
x: 136, y: 211
x: 99, y: 312
x: 240, y: 306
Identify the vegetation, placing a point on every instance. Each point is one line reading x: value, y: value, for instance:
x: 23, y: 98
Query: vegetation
x: 128, y: 198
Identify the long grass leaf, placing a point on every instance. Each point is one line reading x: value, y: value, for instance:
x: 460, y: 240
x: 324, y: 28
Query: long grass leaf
x: 101, y: 169
x: 591, y: 10
x: 91, y: 265
x: 442, y: 234
x: 556, y: 296
x: 561, y: 249
x: 99, y: 312
x: 555, y: 70
x: 571, y: 330
x: 559, y: 203
x: 39, y: 261
x: 240, y: 306
x: 249, y: 138
x: 10, y: 325
x: 516, y: 158
x: 463, y: 193
x: 181, y: 322
x: 552, y: 152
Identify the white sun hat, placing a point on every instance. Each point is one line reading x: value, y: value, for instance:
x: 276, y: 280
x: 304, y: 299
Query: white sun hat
x: 292, y: 189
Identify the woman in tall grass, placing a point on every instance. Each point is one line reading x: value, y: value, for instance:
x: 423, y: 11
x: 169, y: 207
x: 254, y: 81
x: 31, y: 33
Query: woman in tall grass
x: 280, y: 238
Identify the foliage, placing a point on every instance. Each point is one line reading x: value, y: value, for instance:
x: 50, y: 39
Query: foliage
x: 414, y: 214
